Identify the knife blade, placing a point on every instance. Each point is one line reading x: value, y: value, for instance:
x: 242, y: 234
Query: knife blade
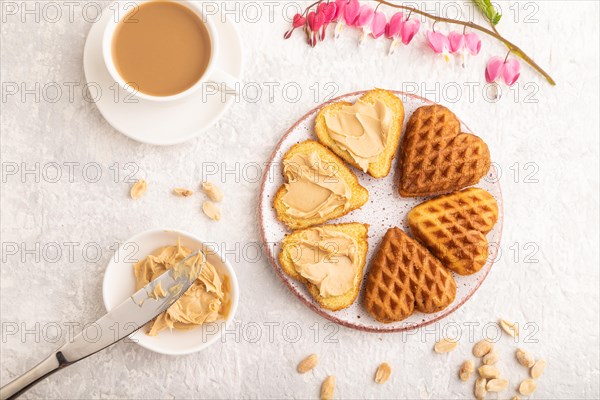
x: 122, y: 321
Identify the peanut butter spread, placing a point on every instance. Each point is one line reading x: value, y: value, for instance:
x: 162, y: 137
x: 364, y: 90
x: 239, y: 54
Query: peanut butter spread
x: 158, y: 292
x: 313, y: 187
x: 327, y: 259
x: 362, y: 129
x: 203, y: 302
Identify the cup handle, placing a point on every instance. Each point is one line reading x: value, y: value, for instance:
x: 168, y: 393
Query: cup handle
x: 225, y: 81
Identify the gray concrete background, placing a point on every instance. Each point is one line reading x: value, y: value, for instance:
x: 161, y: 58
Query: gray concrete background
x: 544, y: 140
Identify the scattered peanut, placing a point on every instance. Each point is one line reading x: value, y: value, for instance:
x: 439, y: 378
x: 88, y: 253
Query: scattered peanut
x: 524, y: 358
x: 491, y: 357
x: 466, y: 370
x: 383, y: 373
x: 512, y: 328
x: 327, y: 388
x: 182, y: 192
x: 445, y: 346
x: 497, y: 385
x: 138, y: 189
x: 527, y: 387
x: 488, y: 372
x: 308, y: 363
x: 212, y: 191
x: 480, y: 390
x: 482, y: 347
x: 538, y: 369
x: 515, y: 398
x: 211, y: 210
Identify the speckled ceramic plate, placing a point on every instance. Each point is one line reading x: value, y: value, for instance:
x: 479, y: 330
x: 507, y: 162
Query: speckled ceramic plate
x: 384, y: 209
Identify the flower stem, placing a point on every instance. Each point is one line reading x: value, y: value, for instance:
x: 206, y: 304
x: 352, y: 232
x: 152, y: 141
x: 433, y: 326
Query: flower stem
x: 311, y: 6
x: 513, y: 48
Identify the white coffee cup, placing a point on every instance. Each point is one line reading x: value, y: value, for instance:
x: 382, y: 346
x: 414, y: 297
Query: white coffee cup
x: 120, y: 10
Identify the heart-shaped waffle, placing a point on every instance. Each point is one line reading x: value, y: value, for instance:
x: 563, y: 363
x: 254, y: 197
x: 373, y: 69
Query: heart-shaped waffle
x: 436, y: 157
x: 453, y: 228
x: 404, y: 276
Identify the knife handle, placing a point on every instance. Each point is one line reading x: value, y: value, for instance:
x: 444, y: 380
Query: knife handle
x: 51, y: 364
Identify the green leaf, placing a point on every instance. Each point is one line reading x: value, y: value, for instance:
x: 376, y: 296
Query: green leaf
x: 488, y: 11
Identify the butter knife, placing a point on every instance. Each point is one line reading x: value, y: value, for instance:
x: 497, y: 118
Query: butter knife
x: 129, y: 316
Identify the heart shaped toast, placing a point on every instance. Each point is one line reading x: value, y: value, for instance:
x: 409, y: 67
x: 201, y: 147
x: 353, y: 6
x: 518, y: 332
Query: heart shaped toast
x: 318, y: 187
x: 453, y: 228
x: 365, y: 134
x: 436, y: 157
x: 403, y: 277
x: 292, y: 255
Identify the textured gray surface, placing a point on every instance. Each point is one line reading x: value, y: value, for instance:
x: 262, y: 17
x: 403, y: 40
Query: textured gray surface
x: 552, y: 220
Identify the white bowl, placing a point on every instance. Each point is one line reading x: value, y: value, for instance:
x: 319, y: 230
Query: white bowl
x: 119, y: 284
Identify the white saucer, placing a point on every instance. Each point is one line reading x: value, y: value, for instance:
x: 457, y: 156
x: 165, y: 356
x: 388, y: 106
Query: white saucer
x: 119, y: 284
x: 152, y: 122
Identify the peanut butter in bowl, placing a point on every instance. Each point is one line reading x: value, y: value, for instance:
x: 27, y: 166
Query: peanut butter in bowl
x: 195, y: 321
x: 205, y: 301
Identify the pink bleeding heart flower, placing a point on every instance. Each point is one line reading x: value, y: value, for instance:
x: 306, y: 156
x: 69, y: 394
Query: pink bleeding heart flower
x: 393, y: 30
x: 315, y: 22
x: 379, y: 24
x: 339, y: 9
x: 340, y: 15
x: 439, y: 43
x: 320, y: 10
x: 351, y: 12
x: 473, y: 43
x: 310, y: 35
x: 457, y: 45
x: 321, y: 6
x: 457, y: 41
x: 329, y: 11
x: 365, y: 16
x: 318, y: 21
x: 410, y: 27
x: 298, y: 21
x: 510, y: 70
x: 462, y: 45
x: 364, y: 19
x: 493, y: 69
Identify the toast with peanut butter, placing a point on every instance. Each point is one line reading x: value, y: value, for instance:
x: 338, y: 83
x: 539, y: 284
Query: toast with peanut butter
x: 329, y: 260
x: 318, y: 187
x: 365, y: 134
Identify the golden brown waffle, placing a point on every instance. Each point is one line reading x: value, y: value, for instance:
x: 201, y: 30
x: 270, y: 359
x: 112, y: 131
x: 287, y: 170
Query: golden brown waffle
x: 436, y: 157
x: 453, y: 228
x: 403, y: 277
